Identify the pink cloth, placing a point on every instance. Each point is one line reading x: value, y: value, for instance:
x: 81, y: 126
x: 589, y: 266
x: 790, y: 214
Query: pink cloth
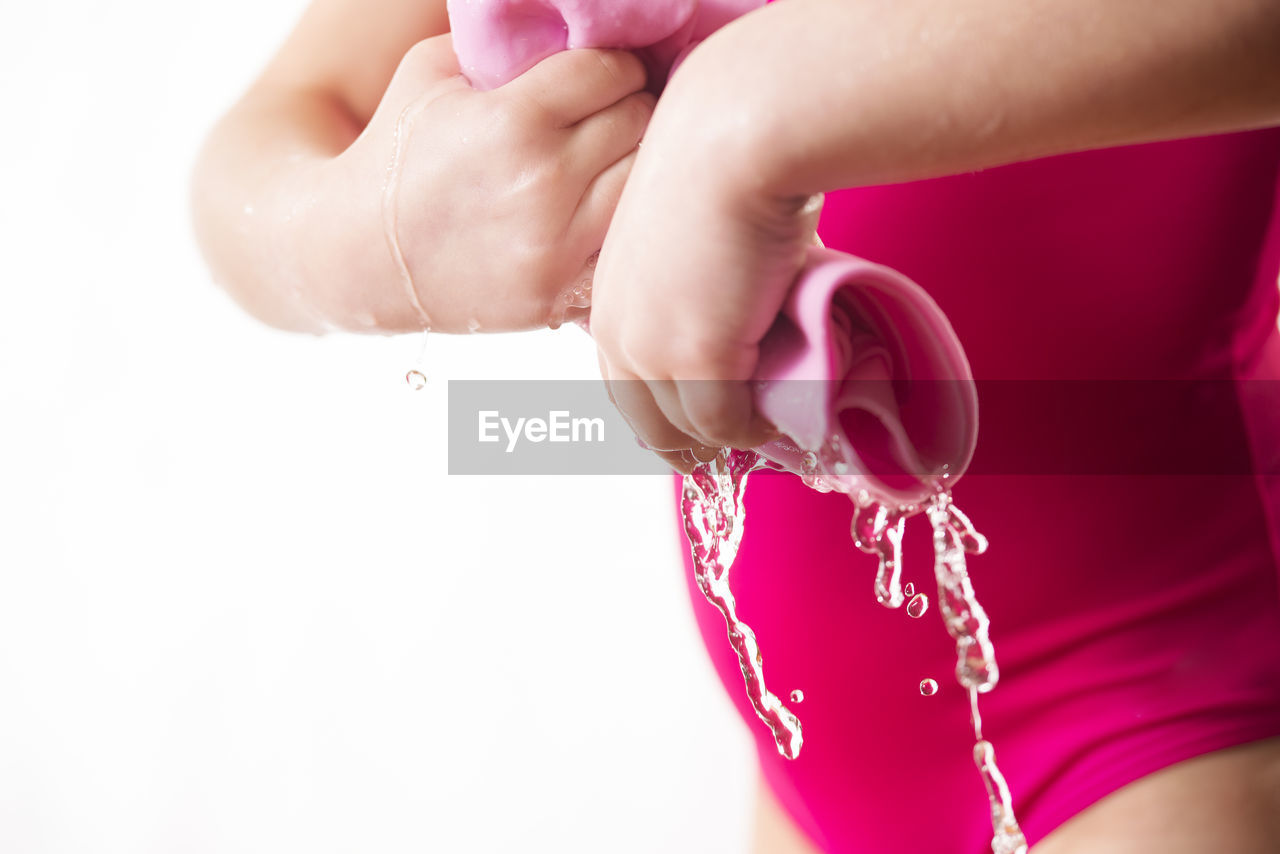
x: 497, y: 40
x: 863, y: 354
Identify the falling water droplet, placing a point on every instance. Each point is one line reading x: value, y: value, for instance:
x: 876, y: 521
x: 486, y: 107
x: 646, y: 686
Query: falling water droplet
x: 713, y: 513
x: 809, y: 473
x: 809, y: 462
x: 877, y: 530
x: 417, y: 380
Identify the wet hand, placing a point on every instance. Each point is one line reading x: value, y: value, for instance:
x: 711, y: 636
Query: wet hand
x: 693, y: 272
x: 493, y: 205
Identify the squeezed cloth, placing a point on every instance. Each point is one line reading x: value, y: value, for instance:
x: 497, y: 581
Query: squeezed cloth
x: 859, y: 352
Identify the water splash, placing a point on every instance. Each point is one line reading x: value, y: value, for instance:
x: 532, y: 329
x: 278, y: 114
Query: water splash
x: 962, y: 614
x: 975, y: 714
x: 579, y: 296
x: 1007, y: 836
x: 713, y: 515
x: 576, y: 296
x: 822, y: 469
x: 976, y: 670
x: 877, y: 529
x: 970, y: 540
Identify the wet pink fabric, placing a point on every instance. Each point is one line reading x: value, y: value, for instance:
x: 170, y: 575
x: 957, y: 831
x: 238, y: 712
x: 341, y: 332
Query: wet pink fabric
x: 862, y: 353
x: 497, y: 40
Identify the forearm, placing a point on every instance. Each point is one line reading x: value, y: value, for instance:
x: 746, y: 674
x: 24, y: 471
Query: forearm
x: 259, y: 169
x: 288, y: 228
x: 813, y: 95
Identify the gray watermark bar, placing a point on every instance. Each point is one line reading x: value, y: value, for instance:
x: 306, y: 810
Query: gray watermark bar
x: 1025, y: 427
x: 541, y: 427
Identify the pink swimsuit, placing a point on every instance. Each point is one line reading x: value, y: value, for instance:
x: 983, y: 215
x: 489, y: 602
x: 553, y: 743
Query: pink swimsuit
x: 1134, y: 611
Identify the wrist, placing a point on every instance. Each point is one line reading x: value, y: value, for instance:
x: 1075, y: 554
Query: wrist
x: 342, y: 269
x: 721, y: 121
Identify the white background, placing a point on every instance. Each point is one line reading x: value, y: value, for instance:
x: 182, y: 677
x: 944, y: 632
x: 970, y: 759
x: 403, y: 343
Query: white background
x: 242, y: 606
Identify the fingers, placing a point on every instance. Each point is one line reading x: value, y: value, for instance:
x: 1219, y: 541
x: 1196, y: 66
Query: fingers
x: 595, y: 209
x: 721, y: 412
x: 604, y: 138
x: 701, y: 415
x: 636, y: 401
x: 574, y: 84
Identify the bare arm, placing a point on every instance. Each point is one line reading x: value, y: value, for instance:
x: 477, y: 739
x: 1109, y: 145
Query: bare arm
x: 843, y: 94
x: 814, y: 95
x: 308, y: 106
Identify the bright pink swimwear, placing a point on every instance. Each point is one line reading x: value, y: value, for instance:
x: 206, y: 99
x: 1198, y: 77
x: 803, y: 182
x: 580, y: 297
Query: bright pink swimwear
x: 1135, y: 616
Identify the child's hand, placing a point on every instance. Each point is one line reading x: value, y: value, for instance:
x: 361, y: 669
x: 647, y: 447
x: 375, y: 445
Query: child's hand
x: 692, y: 275
x: 498, y: 200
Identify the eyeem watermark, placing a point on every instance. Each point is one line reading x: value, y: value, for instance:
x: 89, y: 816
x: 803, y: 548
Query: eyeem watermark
x: 558, y: 426
x: 541, y: 427
x: 1027, y: 427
